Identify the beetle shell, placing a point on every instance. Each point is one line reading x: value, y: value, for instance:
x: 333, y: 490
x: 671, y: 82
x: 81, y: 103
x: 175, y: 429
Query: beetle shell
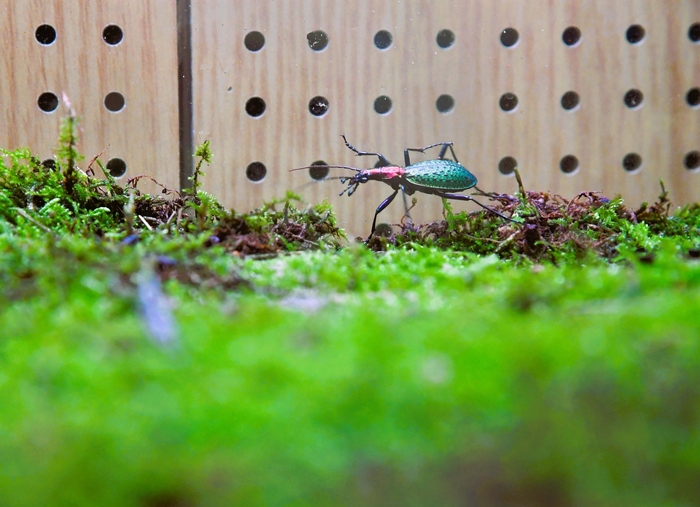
x: 440, y: 174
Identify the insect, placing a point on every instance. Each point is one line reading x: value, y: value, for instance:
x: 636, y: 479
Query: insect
x: 441, y: 177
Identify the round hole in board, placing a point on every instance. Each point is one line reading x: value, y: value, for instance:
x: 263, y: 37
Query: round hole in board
x: 445, y: 103
x: 45, y: 35
x: 47, y: 102
x: 318, y: 106
x: 445, y: 38
x: 571, y: 36
x: 318, y: 40
x: 254, y: 41
x: 509, y: 37
x: 694, y: 32
x: 507, y: 166
x: 383, y: 39
x: 319, y: 170
x: 112, y: 35
x: 382, y: 104
x: 256, y: 171
x: 635, y: 34
x: 49, y: 164
x: 255, y: 106
x: 693, y: 97
x: 691, y: 161
x: 632, y: 162
x: 570, y: 101
x: 116, y: 167
x: 634, y: 98
x: 568, y: 164
x: 114, y: 102
x: 508, y: 102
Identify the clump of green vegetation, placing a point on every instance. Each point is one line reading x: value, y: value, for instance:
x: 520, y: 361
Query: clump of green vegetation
x: 65, y: 199
x: 414, y: 377
x: 557, y: 229
x: 163, y: 351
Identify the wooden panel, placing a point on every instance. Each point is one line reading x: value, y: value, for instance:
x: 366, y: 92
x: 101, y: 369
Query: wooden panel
x: 351, y: 72
x: 142, y: 67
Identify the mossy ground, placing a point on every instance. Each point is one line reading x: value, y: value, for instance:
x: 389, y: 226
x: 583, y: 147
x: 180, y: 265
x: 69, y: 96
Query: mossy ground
x: 162, y: 351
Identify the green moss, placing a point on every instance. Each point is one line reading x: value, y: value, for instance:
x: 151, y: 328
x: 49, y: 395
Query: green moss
x: 36, y: 200
x: 165, y: 351
x: 413, y: 377
x: 557, y: 229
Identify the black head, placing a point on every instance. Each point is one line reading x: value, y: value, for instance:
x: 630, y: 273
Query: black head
x: 361, y: 177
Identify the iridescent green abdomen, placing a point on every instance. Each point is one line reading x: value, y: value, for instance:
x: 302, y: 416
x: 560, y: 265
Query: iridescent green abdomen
x: 440, y: 174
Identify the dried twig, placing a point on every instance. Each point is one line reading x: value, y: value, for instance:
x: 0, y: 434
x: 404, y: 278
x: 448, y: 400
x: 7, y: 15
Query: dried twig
x: 27, y: 216
x: 145, y: 223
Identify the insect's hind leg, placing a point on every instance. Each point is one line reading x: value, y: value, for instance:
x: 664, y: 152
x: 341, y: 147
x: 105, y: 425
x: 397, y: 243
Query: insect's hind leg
x: 443, y: 150
x: 359, y: 153
x: 462, y: 197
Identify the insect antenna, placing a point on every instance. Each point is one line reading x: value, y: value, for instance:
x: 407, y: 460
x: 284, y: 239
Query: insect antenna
x: 329, y: 166
x: 342, y: 179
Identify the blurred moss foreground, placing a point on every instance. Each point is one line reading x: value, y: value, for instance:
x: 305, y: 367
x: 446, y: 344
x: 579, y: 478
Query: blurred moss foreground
x: 147, y: 359
x: 415, y: 378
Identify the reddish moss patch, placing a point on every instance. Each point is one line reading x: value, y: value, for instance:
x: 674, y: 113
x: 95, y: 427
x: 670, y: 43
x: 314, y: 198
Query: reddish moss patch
x: 551, y: 226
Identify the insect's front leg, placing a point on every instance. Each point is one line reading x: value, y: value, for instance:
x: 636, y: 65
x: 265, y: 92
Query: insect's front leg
x: 381, y: 208
x: 359, y: 153
x: 443, y: 150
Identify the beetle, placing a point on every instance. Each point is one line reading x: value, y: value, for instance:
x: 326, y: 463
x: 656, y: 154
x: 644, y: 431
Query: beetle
x: 441, y: 177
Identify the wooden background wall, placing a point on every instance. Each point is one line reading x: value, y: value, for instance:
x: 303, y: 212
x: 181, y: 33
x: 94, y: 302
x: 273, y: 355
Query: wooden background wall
x: 142, y: 67
x: 351, y: 72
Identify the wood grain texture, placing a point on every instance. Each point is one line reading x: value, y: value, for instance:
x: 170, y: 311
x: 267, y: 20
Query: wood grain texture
x: 143, y: 68
x: 351, y: 72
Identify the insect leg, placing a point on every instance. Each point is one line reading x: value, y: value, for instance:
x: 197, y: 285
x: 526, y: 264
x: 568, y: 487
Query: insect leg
x: 462, y: 197
x: 381, y: 208
x: 452, y: 150
x: 382, y: 158
x: 444, y: 145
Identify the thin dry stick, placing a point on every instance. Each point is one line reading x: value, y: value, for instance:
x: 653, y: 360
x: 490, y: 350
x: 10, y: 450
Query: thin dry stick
x: 93, y: 160
x: 26, y: 215
x: 170, y: 218
x: 508, y: 241
x: 145, y: 223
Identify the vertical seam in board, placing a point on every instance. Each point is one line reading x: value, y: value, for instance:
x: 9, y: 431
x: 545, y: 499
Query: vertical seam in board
x: 184, y: 91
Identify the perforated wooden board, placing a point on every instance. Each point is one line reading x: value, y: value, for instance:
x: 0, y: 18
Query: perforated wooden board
x: 142, y: 67
x: 351, y: 72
